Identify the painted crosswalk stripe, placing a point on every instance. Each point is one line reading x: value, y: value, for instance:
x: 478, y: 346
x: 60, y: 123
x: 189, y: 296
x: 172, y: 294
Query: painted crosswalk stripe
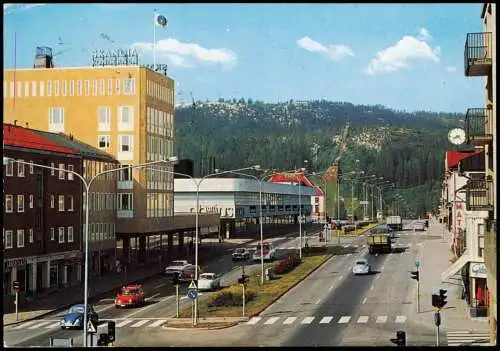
x: 124, y: 323
x: 381, y: 319
x: 272, y: 320
x: 344, y: 319
x: 400, y: 319
x: 254, y: 320
x: 363, y: 319
x: 157, y: 323
x: 53, y: 325
x: 140, y: 323
x: 289, y: 320
x: 307, y: 320
x: 39, y: 325
x: 24, y: 325
x: 467, y: 338
x: 325, y: 320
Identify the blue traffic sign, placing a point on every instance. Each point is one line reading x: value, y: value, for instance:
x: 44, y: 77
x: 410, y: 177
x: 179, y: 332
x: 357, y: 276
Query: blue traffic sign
x: 192, y: 294
x: 417, y: 264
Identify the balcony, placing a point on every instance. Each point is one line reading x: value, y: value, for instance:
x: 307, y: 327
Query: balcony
x: 479, y: 126
x: 477, y: 54
x: 479, y: 195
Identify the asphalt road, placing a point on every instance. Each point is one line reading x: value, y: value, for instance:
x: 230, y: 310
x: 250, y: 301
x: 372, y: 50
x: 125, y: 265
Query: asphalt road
x: 160, y: 305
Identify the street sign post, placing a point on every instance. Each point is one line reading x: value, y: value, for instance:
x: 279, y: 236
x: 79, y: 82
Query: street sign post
x: 177, y: 299
x: 17, y: 288
x: 417, y: 264
x: 192, y: 294
x: 91, y: 327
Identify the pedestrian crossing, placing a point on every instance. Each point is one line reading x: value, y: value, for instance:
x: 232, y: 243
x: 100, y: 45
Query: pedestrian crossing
x: 120, y: 323
x: 362, y: 246
x: 468, y: 338
x: 399, y: 319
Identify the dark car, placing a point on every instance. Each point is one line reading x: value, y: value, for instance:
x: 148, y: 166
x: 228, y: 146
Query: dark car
x: 74, y: 317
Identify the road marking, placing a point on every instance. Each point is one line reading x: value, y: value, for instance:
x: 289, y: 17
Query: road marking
x: 325, y: 320
x: 340, y: 277
x: 150, y: 306
x: 317, y: 302
x: 254, y: 320
x: 344, y: 319
x: 400, y: 319
x: 159, y: 285
x: 307, y: 320
x: 364, y: 301
x: 272, y: 320
x: 330, y: 288
x: 363, y: 319
x: 381, y: 319
x: 371, y: 287
x: 39, y: 325
x: 24, y: 325
x: 289, y: 320
x: 53, y: 325
x: 124, y: 323
x: 157, y: 323
x: 377, y: 277
x: 140, y: 323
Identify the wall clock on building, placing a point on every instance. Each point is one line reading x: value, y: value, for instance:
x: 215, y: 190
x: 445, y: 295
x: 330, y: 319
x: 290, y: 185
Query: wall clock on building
x: 456, y: 136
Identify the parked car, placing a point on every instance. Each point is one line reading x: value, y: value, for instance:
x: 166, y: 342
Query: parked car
x: 74, y: 317
x: 130, y: 295
x: 209, y: 281
x: 361, y: 267
x: 176, y: 267
x: 188, y: 273
x: 419, y: 226
x: 240, y: 254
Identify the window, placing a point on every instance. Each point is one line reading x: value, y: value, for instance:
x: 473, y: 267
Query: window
x: 94, y: 90
x: 70, y: 234
x: 126, y: 143
x: 49, y: 88
x: 71, y: 203
x: 79, y: 87
x: 71, y: 87
x: 102, y: 86
x: 52, y: 201
x: 20, y: 203
x: 30, y: 235
x: 20, y: 238
x: 64, y: 87
x: 104, y: 141
x: 61, y: 171
x: 125, y: 201
x: 56, y: 88
x: 32, y: 167
x: 33, y: 88
x: 9, y: 168
x: 26, y: 89
x: 42, y: 88
x: 71, y: 175
x: 87, y: 87
x: 104, y: 115
x: 110, y: 87
x: 53, y: 168
x: 31, y: 200
x: 19, y: 89
x: 60, y: 202
x: 129, y: 86
x: 61, y: 234
x: 52, y: 234
x: 8, y: 239
x: 125, y: 117
x: 118, y: 87
x: 125, y: 173
x: 12, y: 89
x: 9, y: 203
x: 20, y: 169
x: 56, y: 119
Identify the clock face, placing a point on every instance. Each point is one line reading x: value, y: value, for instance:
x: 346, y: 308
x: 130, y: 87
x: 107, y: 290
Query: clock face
x: 456, y: 136
x: 161, y: 20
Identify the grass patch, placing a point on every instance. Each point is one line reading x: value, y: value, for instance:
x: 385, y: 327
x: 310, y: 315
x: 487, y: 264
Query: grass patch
x: 263, y: 295
x: 356, y: 232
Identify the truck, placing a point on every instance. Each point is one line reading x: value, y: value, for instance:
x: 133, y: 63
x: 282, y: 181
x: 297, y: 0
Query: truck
x: 395, y: 222
x: 379, y: 243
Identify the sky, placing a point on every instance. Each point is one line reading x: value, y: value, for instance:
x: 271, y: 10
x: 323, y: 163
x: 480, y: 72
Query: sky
x: 404, y: 56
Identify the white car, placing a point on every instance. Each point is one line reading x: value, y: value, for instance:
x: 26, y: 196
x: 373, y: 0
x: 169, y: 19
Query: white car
x: 176, y: 267
x: 209, y: 281
x: 361, y: 267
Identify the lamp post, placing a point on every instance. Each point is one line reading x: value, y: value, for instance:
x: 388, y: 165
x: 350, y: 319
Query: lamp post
x: 87, y: 185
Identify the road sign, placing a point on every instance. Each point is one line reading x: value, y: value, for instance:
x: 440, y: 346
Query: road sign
x: 192, y: 285
x: 192, y: 294
x: 417, y: 264
x: 91, y: 327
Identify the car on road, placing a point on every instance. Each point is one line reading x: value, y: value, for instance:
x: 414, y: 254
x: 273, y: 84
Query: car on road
x: 188, y: 273
x: 209, y: 281
x: 176, y: 267
x: 240, y: 254
x: 361, y: 267
x: 419, y: 226
x: 269, y: 252
x: 74, y: 317
x: 130, y: 295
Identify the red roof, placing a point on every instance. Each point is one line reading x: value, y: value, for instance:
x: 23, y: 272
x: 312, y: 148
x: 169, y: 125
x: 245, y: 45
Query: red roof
x: 454, y: 157
x: 295, y: 178
x: 319, y: 192
x: 21, y: 137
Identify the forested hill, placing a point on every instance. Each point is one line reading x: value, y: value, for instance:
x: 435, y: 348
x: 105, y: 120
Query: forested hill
x: 407, y: 148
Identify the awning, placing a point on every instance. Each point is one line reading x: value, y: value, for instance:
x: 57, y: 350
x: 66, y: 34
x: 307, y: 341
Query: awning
x: 456, y: 267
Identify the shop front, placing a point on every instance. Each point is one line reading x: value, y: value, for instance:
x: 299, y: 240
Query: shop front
x: 479, y: 290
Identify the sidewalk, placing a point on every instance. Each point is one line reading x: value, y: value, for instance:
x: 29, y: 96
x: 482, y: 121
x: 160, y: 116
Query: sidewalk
x: 434, y: 256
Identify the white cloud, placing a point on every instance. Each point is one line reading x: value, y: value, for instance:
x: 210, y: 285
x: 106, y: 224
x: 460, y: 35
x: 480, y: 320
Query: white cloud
x: 398, y: 56
x: 451, y: 68
x: 334, y: 52
x: 11, y: 8
x: 424, y: 35
x: 183, y: 54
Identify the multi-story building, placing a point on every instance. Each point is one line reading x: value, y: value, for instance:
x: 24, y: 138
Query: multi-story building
x: 42, y: 219
x: 480, y: 125
x: 125, y: 110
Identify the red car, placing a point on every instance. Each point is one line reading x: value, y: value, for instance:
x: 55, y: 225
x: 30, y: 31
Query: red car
x: 130, y: 295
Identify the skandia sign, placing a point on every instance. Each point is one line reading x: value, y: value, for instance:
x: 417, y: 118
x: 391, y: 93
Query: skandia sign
x: 478, y: 270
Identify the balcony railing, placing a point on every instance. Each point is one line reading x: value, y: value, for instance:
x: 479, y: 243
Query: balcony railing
x: 479, y: 126
x: 479, y: 195
x: 477, y: 54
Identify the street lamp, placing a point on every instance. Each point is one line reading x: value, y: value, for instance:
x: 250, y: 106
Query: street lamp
x: 87, y: 185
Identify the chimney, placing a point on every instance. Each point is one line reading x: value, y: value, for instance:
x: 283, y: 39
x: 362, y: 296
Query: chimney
x: 15, y: 122
x: 71, y: 137
x: 27, y: 125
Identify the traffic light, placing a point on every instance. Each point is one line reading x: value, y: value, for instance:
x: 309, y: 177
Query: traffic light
x: 243, y: 279
x: 111, y: 331
x: 442, y: 298
x: 16, y: 285
x: 103, y: 340
x: 435, y: 300
x: 415, y: 275
x: 400, y: 339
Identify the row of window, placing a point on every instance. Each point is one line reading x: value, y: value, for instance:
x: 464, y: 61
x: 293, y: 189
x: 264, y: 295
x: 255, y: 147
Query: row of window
x: 62, y: 204
x: 100, y: 231
x: 159, y: 122
x: 160, y: 92
x: 125, y: 142
x: 125, y: 118
x: 9, y: 169
x: 93, y: 167
x: 159, y: 205
x: 8, y: 236
x: 158, y: 147
x: 69, y: 88
x: 159, y: 180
